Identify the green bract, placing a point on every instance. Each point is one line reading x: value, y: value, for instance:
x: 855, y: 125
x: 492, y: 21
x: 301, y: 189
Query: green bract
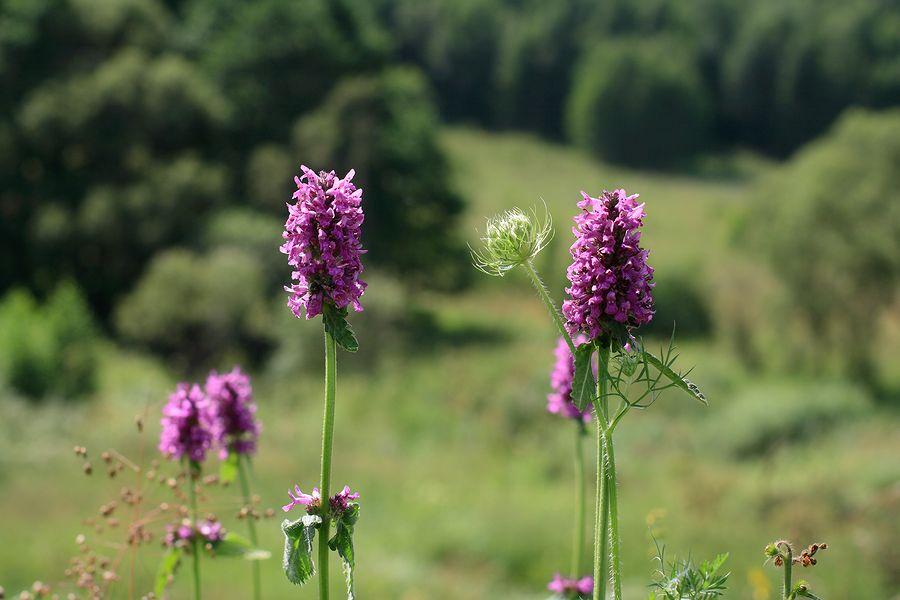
x: 512, y: 239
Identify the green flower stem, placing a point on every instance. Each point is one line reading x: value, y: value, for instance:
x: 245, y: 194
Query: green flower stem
x: 613, y: 516
x: 251, y: 525
x: 195, y: 547
x: 788, y: 564
x: 601, y: 505
x: 580, y: 504
x: 548, y: 302
x: 327, y: 441
x: 601, y: 521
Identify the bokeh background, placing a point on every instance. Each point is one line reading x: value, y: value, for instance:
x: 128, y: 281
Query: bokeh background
x: 147, y: 148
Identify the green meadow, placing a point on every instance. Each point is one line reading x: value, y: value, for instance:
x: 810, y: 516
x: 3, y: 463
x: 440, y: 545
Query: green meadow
x: 466, y: 481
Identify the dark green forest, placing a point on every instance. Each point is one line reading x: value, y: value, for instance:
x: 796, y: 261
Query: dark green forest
x: 147, y: 148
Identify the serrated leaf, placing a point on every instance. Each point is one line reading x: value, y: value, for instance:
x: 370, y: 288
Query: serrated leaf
x: 583, y: 384
x: 228, y: 468
x: 338, y: 327
x: 298, y: 540
x: 680, y: 381
x: 343, y: 543
x: 235, y: 545
x: 166, y: 571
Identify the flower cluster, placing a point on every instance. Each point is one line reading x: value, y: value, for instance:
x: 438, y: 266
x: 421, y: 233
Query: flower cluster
x: 225, y: 415
x: 232, y: 412
x: 313, y: 502
x: 559, y: 401
x: 571, y: 588
x: 185, y: 428
x: 322, y: 242
x: 609, y: 276
x: 209, y: 530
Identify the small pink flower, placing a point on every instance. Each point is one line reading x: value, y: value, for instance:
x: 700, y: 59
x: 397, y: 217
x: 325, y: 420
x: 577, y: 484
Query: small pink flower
x: 571, y: 588
x: 342, y: 499
x: 298, y: 498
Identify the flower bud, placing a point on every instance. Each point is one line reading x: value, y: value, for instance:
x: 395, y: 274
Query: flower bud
x: 511, y: 239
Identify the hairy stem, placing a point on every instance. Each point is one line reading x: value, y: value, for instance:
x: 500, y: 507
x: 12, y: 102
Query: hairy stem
x: 548, y: 302
x: 615, y: 569
x: 601, y: 505
x: 580, y: 504
x: 327, y: 440
x: 788, y: 564
x: 251, y: 525
x: 195, y: 546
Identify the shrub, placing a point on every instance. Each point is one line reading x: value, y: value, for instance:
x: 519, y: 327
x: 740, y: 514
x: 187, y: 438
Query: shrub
x: 199, y: 308
x: 763, y: 418
x: 679, y: 301
x: 829, y: 224
x: 48, y: 349
x: 638, y: 101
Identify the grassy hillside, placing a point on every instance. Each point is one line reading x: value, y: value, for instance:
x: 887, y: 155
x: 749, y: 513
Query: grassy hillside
x: 465, y: 480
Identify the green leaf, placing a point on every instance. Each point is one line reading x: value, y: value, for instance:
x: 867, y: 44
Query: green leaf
x: 680, y: 381
x: 228, y: 468
x: 236, y: 545
x: 337, y: 326
x: 343, y: 543
x: 298, y: 539
x: 166, y: 571
x: 583, y: 384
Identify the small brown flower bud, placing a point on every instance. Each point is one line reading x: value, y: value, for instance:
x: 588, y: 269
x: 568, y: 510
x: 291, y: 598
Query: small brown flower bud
x: 87, y: 468
x: 106, y: 456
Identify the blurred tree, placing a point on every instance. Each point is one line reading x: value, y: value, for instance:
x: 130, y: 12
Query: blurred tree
x: 794, y: 66
x: 49, y: 349
x: 456, y: 42
x: 639, y: 101
x: 830, y: 225
x: 535, y: 63
x: 277, y: 59
x: 384, y: 126
x: 199, y: 308
x: 111, y: 139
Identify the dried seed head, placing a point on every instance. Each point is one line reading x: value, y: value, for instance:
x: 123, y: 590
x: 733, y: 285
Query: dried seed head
x: 87, y: 468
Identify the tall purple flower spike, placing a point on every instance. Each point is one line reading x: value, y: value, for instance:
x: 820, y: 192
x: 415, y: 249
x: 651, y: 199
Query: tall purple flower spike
x: 559, y: 401
x: 322, y: 242
x: 185, y: 425
x: 232, y: 412
x: 610, y: 279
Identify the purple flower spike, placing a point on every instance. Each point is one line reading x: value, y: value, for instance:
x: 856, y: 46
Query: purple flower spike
x: 609, y: 275
x: 232, y: 412
x: 322, y: 242
x: 298, y: 498
x: 571, y: 588
x: 559, y: 401
x: 340, y: 501
x: 184, y: 425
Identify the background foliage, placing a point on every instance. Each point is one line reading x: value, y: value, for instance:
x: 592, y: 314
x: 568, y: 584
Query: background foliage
x: 147, y: 148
